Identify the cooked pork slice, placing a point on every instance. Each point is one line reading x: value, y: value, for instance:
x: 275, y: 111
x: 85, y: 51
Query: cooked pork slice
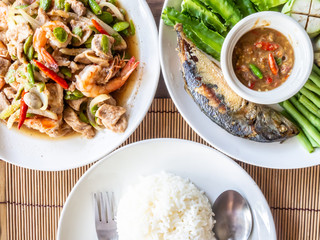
x: 62, y: 130
x: 4, y: 103
x: 120, y: 127
x: 55, y: 97
x: 4, y: 66
x: 77, y: 125
x: 42, y: 16
x: 75, y: 104
x: 10, y: 92
x: 61, y: 60
x: 112, y: 117
x: 85, y: 29
x: 78, y: 7
x: 97, y: 47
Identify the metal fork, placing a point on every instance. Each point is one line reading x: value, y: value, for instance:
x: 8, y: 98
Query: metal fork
x: 106, y: 226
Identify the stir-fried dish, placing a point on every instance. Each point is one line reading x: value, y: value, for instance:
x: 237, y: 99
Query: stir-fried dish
x: 60, y: 61
x: 263, y: 59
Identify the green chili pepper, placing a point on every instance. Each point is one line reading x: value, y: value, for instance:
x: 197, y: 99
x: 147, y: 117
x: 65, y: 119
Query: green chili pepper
x: 10, y: 110
x: 106, y: 17
x: 105, y: 44
x: 59, y: 4
x: 95, y: 7
x: 60, y: 34
x: 117, y: 39
x: 30, y: 54
x: 18, y: 94
x: 94, y: 110
x: 278, y: 61
x: 45, y: 4
x: 66, y: 71
x: 67, y: 7
x: 120, y: 26
x: 256, y: 71
x: 77, y: 31
x: 30, y: 73
x: 132, y: 28
x: 82, y: 115
x: 22, y: 6
x: 93, y: 28
x: 88, y: 42
x: 75, y: 95
x: 27, y: 44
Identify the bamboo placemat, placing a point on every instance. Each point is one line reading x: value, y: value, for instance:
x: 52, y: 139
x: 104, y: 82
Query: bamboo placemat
x: 31, y: 201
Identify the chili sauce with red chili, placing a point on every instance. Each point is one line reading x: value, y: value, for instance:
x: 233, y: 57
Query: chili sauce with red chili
x: 263, y: 59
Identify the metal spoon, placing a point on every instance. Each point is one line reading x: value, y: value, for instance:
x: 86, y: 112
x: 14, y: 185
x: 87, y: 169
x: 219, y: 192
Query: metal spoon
x: 233, y: 217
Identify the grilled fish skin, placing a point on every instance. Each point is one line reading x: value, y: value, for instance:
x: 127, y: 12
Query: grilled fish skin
x: 205, y: 83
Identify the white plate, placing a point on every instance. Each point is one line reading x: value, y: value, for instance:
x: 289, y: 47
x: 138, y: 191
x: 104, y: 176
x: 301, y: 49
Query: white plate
x: 210, y: 170
x: 289, y: 154
x: 47, y: 154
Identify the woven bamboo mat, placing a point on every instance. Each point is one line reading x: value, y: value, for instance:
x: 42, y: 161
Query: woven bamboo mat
x: 31, y: 201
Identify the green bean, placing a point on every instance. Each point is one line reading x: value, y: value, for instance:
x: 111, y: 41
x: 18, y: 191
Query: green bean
x: 30, y: 73
x: 21, y: 6
x: 10, y: 110
x: 45, y: 4
x: 309, y: 105
x: 95, y: 7
x: 315, y: 78
x: 66, y: 71
x: 67, y: 7
x: 312, y: 87
x: 82, y: 115
x: 88, y: 42
x: 59, y: 4
x: 308, y: 115
x: 30, y: 53
x: 106, y: 17
x: 27, y: 44
x: 303, y: 122
x: 60, y: 34
x: 256, y: 71
x: 316, y: 69
x: 305, y: 142
x: 105, y: 44
x: 120, y: 26
x: 77, y: 31
x: 132, y: 28
x: 124, y: 12
x: 75, y: 95
x: 311, y: 96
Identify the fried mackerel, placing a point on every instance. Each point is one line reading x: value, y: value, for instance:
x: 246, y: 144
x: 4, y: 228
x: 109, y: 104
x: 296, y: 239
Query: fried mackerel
x: 205, y: 83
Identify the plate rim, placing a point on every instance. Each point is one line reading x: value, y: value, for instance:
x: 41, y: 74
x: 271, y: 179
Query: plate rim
x: 223, y: 150
x: 126, y: 134
x: 159, y: 141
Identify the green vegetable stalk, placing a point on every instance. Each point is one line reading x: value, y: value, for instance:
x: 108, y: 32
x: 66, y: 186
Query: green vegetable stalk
x: 196, y: 9
x: 226, y: 8
x: 256, y: 71
x: 303, y: 122
x: 311, y: 96
x: 66, y: 71
x: 202, y: 36
x: 312, y: 87
x: 309, y: 105
x: 30, y: 74
x: 316, y: 69
x: 315, y: 78
x: 10, y: 110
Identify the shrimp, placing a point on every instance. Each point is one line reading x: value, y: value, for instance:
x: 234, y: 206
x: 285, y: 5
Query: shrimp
x: 45, y: 33
x: 87, y: 79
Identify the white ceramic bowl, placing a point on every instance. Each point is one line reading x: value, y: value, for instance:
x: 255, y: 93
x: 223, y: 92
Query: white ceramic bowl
x: 303, y: 53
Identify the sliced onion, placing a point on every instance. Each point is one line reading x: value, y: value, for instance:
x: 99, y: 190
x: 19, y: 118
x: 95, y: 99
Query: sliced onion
x: 72, y: 51
x: 33, y: 22
x: 92, y: 118
x: 44, y: 113
x: 59, y: 13
x: 13, y: 118
x: 113, y: 8
x: 43, y: 97
x: 99, y: 99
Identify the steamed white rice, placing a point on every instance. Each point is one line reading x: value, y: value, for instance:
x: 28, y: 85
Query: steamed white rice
x: 166, y: 207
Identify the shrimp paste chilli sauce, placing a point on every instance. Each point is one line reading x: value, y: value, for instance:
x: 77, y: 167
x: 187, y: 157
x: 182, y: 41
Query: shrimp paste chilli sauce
x: 263, y: 59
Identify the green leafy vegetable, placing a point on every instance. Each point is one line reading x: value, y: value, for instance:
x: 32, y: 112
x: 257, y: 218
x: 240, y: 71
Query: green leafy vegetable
x: 265, y: 5
x: 196, y: 9
x: 246, y: 7
x: 226, y: 8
